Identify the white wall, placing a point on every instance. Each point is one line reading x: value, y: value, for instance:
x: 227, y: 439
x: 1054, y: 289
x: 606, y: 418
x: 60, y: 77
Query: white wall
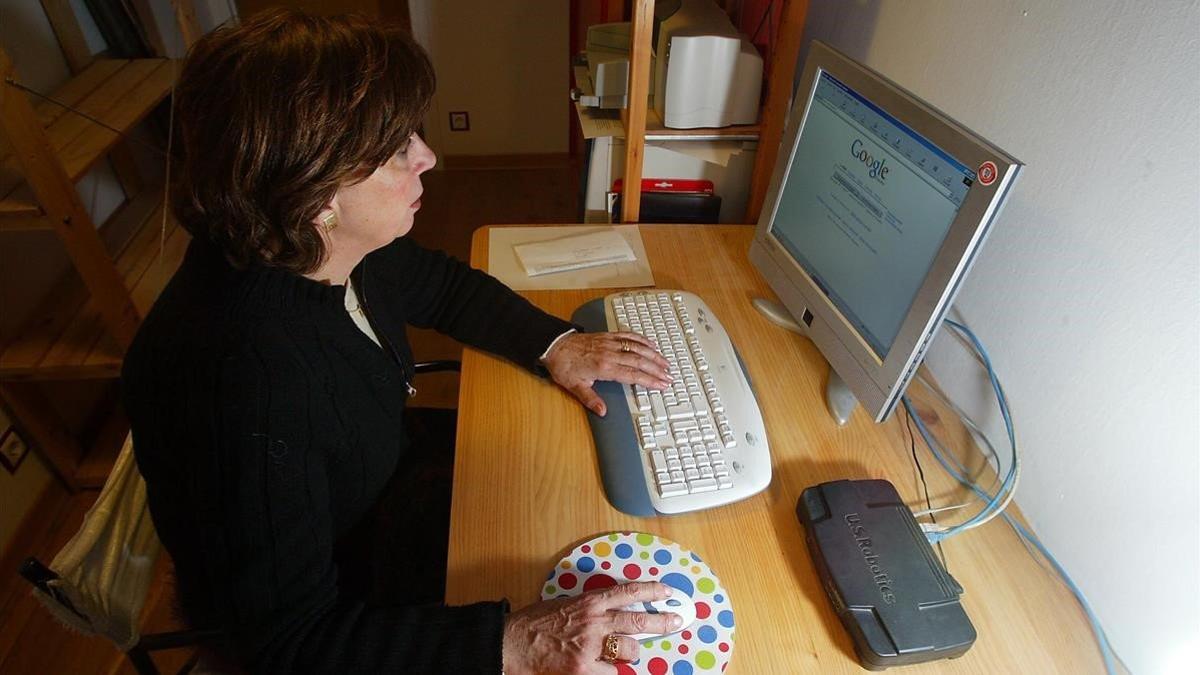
x: 506, y: 63
x: 1087, y: 293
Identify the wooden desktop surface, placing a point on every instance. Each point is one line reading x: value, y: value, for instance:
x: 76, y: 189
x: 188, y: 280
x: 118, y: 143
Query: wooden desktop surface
x: 527, y: 489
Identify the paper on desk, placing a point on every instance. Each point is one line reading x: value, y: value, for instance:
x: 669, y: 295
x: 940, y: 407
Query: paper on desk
x: 574, y: 252
x: 505, y: 266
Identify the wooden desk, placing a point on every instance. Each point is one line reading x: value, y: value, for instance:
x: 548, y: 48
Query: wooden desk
x: 527, y: 488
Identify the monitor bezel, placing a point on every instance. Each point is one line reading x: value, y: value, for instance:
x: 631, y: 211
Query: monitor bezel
x: 878, y: 382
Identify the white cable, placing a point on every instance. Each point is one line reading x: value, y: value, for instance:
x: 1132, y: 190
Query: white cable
x: 1012, y: 490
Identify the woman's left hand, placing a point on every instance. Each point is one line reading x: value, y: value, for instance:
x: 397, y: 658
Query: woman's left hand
x: 579, y: 359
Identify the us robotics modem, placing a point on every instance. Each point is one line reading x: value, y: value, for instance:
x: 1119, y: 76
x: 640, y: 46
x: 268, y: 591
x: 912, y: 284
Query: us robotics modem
x: 895, y: 598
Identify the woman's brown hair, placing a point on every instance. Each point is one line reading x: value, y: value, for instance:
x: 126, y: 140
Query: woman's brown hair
x: 277, y: 113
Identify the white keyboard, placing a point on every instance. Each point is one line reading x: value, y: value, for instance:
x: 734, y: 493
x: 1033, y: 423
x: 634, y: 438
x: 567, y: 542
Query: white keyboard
x: 702, y: 441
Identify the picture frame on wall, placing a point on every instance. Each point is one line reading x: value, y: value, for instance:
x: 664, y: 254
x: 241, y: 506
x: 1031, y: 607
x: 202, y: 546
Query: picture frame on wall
x: 13, y: 450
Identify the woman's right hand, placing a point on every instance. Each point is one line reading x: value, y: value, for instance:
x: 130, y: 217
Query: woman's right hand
x: 567, y: 635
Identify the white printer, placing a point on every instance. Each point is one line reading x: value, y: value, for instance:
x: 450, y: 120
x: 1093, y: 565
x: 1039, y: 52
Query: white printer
x: 704, y: 74
x: 608, y: 66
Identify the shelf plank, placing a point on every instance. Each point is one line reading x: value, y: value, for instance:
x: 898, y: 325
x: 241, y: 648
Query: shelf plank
x: 137, y: 101
x: 655, y: 127
x: 21, y: 212
x: 11, y: 208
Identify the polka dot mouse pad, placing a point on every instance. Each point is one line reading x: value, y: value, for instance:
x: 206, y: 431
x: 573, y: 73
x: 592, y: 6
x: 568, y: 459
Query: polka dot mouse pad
x: 620, y: 557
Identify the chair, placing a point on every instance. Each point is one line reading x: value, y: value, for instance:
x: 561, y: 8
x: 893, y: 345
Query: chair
x: 98, y: 583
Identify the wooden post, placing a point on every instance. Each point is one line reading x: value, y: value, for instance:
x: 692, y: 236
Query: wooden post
x: 779, y: 97
x: 640, y: 34
x: 57, y: 196
x: 70, y: 36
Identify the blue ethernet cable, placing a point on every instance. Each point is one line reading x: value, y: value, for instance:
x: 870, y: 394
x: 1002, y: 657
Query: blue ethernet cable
x: 960, y: 472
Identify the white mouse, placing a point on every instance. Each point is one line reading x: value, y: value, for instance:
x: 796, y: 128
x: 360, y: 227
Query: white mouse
x: 679, y: 603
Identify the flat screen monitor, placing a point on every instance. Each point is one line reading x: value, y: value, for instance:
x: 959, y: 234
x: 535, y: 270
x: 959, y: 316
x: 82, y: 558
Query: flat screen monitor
x: 876, y: 210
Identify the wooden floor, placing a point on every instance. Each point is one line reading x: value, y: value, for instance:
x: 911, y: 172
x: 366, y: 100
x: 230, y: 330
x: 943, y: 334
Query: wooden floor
x: 455, y: 203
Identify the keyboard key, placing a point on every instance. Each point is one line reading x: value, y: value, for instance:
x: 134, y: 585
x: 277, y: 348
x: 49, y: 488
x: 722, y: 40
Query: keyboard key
x: 657, y: 407
x: 673, y: 489
x: 702, y: 485
x: 681, y: 411
x: 659, y: 461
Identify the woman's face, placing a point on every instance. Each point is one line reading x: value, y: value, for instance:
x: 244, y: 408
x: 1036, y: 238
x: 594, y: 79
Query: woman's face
x: 380, y: 209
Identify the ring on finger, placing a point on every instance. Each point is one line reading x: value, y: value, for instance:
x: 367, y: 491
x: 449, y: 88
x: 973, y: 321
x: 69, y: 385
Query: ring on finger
x: 625, y: 346
x: 611, y: 652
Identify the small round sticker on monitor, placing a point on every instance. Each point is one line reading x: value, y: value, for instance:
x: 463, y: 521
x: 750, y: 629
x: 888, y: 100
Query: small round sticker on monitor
x: 987, y: 172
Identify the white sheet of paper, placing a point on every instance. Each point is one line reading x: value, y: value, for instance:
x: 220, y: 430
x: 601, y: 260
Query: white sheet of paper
x: 504, y: 265
x: 574, y: 252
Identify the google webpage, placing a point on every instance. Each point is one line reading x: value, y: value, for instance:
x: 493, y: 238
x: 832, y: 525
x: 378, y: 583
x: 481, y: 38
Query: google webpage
x: 865, y: 207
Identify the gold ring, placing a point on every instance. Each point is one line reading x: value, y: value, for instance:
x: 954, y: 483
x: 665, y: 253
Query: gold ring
x: 611, y: 652
x: 625, y: 346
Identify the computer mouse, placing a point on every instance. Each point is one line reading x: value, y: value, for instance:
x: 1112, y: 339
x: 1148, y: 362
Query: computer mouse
x: 679, y: 603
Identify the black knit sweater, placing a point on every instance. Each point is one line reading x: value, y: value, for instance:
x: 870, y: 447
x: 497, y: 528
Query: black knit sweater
x: 266, y: 425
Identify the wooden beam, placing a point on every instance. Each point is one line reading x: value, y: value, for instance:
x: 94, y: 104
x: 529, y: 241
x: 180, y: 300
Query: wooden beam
x: 57, y: 195
x: 779, y: 98
x: 640, y: 34
x: 70, y: 35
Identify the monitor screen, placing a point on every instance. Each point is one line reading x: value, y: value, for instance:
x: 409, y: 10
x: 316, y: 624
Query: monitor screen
x: 865, y: 207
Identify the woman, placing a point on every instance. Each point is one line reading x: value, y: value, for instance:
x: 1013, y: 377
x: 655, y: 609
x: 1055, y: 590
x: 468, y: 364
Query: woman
x: 266, y: 388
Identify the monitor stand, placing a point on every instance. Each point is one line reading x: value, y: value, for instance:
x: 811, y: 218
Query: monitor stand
x: 837, y: 395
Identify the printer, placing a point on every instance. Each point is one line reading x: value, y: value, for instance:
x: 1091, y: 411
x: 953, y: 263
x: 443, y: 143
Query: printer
x: 703, y: 73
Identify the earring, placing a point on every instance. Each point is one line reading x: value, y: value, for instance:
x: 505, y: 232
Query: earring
x: 330, y: 222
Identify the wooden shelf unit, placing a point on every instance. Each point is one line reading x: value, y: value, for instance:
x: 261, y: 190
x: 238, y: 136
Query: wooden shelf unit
x: 638, y: 123
x: 80, y: 330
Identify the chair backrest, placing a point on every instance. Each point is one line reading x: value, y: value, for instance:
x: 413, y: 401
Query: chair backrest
x: 104, y: 572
